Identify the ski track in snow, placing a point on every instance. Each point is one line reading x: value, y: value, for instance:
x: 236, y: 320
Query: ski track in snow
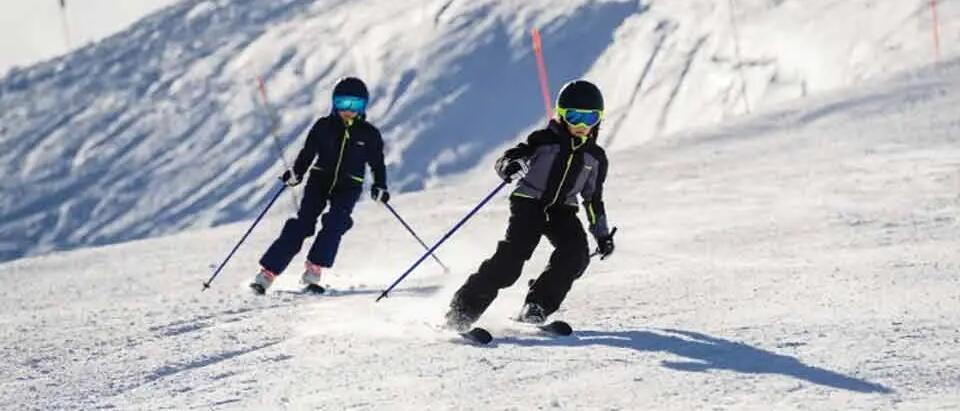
x: 801, y: 259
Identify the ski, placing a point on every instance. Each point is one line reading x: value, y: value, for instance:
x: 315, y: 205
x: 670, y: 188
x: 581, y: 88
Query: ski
x: 315, y: 289
x: 311, y: 289
x: 477, y: 335
x: 557, y: 328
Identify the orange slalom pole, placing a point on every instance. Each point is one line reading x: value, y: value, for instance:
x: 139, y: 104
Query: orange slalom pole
x: 275, y: 120
x: 542, y: 71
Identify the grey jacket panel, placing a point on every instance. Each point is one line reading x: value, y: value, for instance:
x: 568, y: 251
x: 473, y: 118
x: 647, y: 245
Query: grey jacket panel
x: 558, y: 170
x: 540, y: 163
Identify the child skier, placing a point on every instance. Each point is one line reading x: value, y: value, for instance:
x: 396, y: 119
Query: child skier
x: 336, y: 151
x: 554, y: 165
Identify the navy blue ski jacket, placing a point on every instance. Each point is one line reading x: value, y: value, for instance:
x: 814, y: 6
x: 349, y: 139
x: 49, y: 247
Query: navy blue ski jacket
x: 337, y: 153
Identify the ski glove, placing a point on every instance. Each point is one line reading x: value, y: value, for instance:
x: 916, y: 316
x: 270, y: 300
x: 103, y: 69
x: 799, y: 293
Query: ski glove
x: 605, y: 245
x: 290, y: 179
x: 380, y: 194
x: 508, y: 169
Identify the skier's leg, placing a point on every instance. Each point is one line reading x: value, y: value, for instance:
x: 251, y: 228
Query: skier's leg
x: 295, y: 230
x: 503, y: 268
x: 567, y: 262
x: 334, y: 224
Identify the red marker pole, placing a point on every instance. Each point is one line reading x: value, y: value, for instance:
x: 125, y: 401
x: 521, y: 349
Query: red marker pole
x: 542, y: 71
x: 936, y: 28
x: 275, y: 123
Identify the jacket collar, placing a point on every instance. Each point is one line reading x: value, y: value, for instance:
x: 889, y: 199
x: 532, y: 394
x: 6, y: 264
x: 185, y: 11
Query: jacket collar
x: 560, y: 130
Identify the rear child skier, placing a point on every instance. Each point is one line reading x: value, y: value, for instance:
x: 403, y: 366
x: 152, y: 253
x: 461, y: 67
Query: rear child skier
x: 337, y: 149
x: 554, y: 165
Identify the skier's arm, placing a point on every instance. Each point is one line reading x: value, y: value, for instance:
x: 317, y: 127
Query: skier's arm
x: 515, y: 160
x: 377, y: 165
x: 309, y: 151
x: 525, y: 149
x: 593, y: 201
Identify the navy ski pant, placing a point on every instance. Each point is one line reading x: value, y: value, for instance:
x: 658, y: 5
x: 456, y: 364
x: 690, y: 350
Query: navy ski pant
x: 334, y: 224
x: 528, y: 222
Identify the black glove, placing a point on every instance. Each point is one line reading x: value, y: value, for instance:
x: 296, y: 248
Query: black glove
x: 508, y: 168
x: 380, y: 194
x: 290, y: 179
x: 605, y: 245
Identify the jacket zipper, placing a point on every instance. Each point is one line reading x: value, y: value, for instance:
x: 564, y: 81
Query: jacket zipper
x: 562, y: 180
x: 336, y: 171
x: 573, y: 149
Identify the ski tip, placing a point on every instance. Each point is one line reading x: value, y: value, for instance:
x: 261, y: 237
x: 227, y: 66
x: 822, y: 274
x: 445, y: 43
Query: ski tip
x: 314, y: 289
x: 478, y: 335
x: 560, y: 328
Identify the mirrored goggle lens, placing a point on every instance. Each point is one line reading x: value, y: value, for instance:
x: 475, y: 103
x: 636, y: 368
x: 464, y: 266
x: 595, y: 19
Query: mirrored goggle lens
x: 589, y: 118
x: 349, y: 103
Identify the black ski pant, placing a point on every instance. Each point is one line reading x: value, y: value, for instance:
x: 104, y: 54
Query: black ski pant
x: 528, y: 222
x: 335, y: 223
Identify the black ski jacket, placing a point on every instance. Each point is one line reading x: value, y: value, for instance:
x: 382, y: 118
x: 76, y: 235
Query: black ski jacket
x: 337, y: 153
x: 561, y: 166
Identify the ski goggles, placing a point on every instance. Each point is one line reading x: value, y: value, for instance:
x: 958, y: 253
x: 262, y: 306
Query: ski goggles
x: 576, y: 117
x: 349, y: 103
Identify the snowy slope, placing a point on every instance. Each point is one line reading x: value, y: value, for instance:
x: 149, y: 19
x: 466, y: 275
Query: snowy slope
x: 33, y: 31
x: 157, y: 129
x: 802, y: 259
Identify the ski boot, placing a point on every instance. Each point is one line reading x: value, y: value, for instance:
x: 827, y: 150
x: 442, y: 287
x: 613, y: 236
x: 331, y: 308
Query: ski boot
x: 311, y: 277
x: 532, y: 313
x: 457, y: 321
x: 262, y: 281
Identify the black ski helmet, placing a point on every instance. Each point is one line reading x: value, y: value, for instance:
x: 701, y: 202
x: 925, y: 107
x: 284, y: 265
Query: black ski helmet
x: 580, y: 94
x: 351, y: 86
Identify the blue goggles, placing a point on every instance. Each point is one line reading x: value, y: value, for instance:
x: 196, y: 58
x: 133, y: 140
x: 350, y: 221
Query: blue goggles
x: 575, y: 117
x: 349, y: 103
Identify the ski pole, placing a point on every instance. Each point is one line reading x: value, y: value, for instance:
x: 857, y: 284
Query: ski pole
x: 206, y: 285
x: 445, y: 237
x: 410, y: 230
x: 275, y: 123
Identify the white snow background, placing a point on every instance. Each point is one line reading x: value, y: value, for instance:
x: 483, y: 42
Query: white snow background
x: 801, y: 257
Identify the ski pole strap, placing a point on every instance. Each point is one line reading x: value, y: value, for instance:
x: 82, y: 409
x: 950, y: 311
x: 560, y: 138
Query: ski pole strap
x: 442, y: 240
x: 206, y: 285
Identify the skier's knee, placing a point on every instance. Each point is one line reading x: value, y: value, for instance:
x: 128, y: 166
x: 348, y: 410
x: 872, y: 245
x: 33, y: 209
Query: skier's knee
x: 512, y: 251
x: 298, y: 228
x: 337, y: 222
x: 574, y: 260
x: 506, y: 279
x: 497, y: 273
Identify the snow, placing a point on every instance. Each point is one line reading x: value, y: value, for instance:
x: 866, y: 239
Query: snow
x: 33, y: 31
x: 804, y: 258
x: 788, y: 213
x: 158, y: 129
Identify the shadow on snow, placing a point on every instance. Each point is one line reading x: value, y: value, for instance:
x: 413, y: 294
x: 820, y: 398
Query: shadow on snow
x: 702, y: 353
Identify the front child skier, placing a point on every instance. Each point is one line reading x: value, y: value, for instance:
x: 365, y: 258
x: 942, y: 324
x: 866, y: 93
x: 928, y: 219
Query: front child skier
x: 338, y: 148
x: 554, y: 165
